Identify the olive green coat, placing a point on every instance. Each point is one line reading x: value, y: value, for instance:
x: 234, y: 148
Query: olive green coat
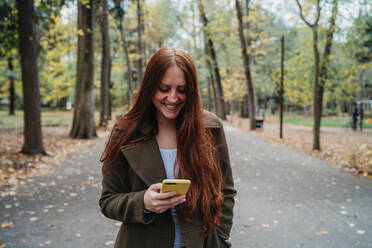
x: 137, y: 167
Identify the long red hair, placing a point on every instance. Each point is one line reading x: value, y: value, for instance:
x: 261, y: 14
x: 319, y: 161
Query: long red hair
x: 197, y: 157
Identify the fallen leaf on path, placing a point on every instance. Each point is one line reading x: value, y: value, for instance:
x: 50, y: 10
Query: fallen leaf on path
x: 32, y: 219
x: 7, y: 225
x: 109, y: 243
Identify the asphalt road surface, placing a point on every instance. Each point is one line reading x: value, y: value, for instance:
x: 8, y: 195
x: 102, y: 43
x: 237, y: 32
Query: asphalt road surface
x: 285, y: 199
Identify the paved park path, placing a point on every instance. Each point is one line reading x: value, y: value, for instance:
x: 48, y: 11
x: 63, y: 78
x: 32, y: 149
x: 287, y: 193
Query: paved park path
x: 285, y: 199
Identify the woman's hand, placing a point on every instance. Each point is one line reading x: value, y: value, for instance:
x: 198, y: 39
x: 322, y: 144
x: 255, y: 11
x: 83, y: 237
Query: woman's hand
x: 160, y: 202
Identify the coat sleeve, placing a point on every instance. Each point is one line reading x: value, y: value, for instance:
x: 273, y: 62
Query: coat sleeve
x: 229, y: 192
x: 117, y: 201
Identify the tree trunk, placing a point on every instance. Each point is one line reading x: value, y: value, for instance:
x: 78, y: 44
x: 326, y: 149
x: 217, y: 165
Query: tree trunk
x: 325, y: 64
x: 30, y: 80
x: 211, y: 51
x: 244, y: 111
x: 247, y: 70
x: 317, y: 108
x: 126, y: 51
x: 209, y: 99
x: 360, y: 82
x: 110, y: 84
x: 215, y: 97
x: 11, y: 88
x: 211, y: 76
x: 139, y: 43
x: 105, y: 66
x: 83, y: 126
x: 316, y: 97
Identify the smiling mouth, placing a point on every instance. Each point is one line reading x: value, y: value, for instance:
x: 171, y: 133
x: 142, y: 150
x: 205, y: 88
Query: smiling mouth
x: 172, y: 107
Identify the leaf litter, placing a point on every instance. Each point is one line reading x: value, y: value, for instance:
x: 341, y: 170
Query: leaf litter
x: 16, y: 167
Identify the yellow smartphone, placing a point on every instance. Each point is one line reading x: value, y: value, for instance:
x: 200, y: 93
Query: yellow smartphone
x: 179, y: 185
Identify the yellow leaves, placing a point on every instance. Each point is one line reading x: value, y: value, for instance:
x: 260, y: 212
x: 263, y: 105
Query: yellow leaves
x: 364, y: 146
x: 80, y: 32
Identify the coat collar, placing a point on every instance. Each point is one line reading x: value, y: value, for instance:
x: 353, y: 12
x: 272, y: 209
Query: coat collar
x: 145, y: 159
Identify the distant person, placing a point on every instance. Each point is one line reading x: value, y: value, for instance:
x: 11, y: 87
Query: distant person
x: 361, y: 117
x: 167, y: 134
x: 355, y: 117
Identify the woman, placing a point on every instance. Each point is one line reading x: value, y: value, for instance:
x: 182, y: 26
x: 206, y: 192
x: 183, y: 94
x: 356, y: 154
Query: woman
x: 168, y: 135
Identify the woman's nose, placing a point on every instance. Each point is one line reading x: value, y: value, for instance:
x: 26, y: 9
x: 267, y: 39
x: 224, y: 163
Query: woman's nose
x: 172, y: 97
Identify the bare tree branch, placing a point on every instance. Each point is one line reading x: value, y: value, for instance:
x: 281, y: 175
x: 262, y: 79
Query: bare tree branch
x: 302, y: 16
x: 318, y: 9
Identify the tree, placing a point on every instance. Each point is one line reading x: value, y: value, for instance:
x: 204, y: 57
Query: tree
x: 28, y: 45
x: 139, y: 42
x: 320, y: 74
x: 211, y: 52
x: 83, y: 126
x: 247, y: 70
x: 119, y: 19
x: 105, y: 66
x: 9, y: 42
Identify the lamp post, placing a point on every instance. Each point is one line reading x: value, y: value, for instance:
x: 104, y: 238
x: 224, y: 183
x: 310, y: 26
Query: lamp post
x: 281, y: 92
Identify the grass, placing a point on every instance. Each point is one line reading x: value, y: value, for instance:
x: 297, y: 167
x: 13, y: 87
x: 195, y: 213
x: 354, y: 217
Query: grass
x: 48, y: 118
x: 326, y: 121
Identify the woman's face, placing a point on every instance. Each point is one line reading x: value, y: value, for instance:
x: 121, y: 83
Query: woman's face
x: 170, y: 97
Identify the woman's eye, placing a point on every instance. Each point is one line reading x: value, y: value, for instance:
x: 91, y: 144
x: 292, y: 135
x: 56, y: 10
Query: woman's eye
x: 164, y: 90
x: 182, y: 91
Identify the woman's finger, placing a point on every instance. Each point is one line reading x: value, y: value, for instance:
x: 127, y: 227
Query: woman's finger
x: 166, y: 195
x: 171, y: 202
x: 155, y: 187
